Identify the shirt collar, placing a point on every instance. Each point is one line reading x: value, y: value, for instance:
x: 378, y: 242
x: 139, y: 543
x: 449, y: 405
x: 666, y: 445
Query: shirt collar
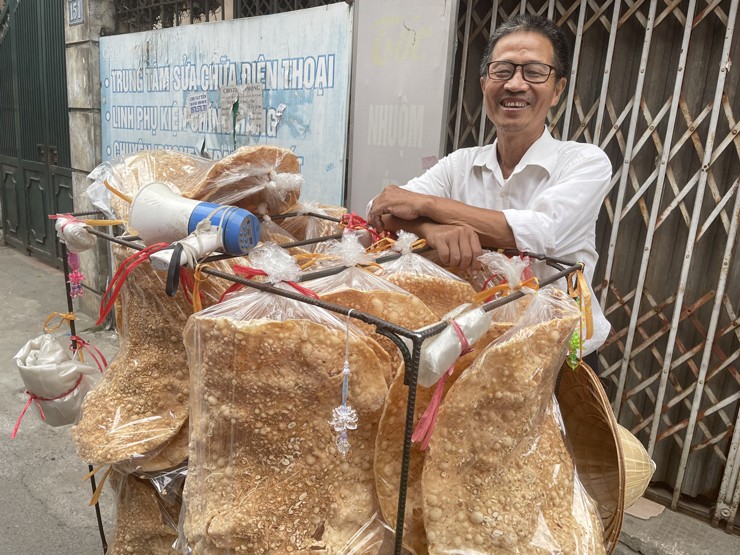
x: 542, y: 153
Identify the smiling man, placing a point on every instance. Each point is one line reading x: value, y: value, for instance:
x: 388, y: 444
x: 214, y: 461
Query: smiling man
x: 527, y: 190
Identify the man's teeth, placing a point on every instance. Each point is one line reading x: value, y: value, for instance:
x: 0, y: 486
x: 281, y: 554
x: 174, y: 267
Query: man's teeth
x: 511, y: 104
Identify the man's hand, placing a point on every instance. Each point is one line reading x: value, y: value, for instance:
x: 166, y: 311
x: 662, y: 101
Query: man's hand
x: 397, y: 202
x: 456, y: 245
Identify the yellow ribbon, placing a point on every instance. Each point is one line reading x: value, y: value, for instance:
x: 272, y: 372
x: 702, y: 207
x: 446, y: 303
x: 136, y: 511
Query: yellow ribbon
x: 505, y: 289
x: 386, y: 243
x: 116, y: 192
x: 66, y: 317
x: 198, y: 278
x: 99, y: 489
x: 312, y: 258
x: 578, y: 289
x: 100, y: 223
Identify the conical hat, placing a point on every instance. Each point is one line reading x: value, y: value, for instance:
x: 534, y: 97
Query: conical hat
x: 593, y: 435
x: 638, y: 466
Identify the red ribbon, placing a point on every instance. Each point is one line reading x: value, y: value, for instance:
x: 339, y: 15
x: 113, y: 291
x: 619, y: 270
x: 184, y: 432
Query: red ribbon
x: 424, y: 428
x: 69, y: 217
x: 352, y: 221
x: 128, y: 266
x: 247, y: 272
x: 95, y: 353
x: 32, y: 398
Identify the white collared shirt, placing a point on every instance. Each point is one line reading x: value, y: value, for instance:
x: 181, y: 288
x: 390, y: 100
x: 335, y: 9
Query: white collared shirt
x: 551, y: 200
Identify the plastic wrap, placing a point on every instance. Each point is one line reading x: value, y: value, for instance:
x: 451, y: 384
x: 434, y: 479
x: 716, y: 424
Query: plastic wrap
x: 519, y: 492
x: 437, y: 288
x: 171, y: 455
x: 265, y: 474
x: 389, y: 446
x: 440, y: 352
x: 501, y: 275
x: 359, y: 289
x: 56, y: 381
x: 74, y: 234
x: 130, y: 174
x: 263, y: 179
x: 271, y: 231
x: 143, y: 525
x: 305, y: 226
x: 142, y: 401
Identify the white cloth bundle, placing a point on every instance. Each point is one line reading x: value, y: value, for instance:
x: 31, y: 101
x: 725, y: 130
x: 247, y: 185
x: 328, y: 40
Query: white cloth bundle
x: 56, y: 381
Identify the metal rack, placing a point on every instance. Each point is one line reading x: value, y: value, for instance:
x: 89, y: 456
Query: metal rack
x: 392, y: 331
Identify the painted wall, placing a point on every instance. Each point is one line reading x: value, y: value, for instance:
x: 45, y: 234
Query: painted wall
x: 209, y: 88
x: 401, y: 79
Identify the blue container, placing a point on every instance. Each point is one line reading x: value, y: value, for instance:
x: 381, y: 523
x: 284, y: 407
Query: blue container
x: 240, y: 228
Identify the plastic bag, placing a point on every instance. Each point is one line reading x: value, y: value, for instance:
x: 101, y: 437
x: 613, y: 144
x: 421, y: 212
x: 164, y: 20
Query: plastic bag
x: 361, y: 290
x: 503, y: 274
x: 143, y: 525
x: 265, y: 474
x: 437, y: 288
x: 389, y: 445
x: 73, y: 233
x: 54, y: 380
x: 307, y: 226
x: 142, y: 401
x: 440, y: 352
x: 500, y: 421
x: 263, y: 179
x: 129, y: 174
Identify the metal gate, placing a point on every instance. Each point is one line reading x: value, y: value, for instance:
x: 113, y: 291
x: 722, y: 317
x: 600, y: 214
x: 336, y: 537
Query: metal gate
x: 652, y: 85
x: 35, y: 174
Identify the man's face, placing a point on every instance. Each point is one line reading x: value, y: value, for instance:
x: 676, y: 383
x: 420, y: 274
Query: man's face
x: 517, y: 106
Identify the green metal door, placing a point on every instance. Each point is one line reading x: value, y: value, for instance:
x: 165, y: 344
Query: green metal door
x: 35, y: 172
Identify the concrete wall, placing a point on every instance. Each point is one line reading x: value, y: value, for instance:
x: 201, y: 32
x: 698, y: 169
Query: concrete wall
x: 83, y: 91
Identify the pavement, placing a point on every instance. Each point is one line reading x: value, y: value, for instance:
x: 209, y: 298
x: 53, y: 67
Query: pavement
x: 45, y: 499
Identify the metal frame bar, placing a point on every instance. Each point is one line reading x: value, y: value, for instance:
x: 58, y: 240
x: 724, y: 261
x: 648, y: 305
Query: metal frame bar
x: 665, y: 157
x: 657, y: 196
x: 732, y: 467
x: 607, y: 70
x: 640, y: 85
x: 417, y: 337
x: 574, y: 69
x: 73, y: 332
x: 463, y: 72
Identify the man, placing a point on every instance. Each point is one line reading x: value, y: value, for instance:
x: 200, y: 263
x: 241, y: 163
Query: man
x: 527, y: 190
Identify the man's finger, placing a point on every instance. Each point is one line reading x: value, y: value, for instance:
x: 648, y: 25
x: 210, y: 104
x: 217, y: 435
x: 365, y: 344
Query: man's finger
x: 444, y: 254
x: 454, y: 256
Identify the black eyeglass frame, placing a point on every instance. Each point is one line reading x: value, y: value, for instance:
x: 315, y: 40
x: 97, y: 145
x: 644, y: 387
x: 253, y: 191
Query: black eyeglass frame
x: 515, y: 66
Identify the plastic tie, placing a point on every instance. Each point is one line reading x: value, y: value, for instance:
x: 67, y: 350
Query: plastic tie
x: 425, y: 427
x: 352, y: 221
x: 247, y: 272
x: 504, y: 289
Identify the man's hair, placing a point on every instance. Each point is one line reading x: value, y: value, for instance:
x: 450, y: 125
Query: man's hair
x: 533, y: 24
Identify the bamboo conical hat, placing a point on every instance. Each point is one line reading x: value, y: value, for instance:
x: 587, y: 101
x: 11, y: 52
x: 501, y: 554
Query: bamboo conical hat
x: 593, y: 434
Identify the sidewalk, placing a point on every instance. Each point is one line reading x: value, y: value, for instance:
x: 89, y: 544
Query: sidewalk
x: 45, y: 500
x: 671, y: 533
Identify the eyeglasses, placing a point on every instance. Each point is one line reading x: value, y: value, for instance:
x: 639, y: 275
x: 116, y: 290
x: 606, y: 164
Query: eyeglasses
x: 532, y: 72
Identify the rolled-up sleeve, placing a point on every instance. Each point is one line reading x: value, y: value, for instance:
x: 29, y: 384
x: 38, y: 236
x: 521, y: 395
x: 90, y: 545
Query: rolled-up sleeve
x: 563, y: 212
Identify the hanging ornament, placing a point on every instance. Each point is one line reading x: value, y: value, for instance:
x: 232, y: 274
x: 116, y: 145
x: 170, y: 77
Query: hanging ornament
x: 75, y: 276
x: 344, y: 417
x: 575, y: 348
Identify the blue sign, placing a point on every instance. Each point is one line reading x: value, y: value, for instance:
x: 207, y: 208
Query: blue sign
x: 281, y: 80
x: 76, y: 15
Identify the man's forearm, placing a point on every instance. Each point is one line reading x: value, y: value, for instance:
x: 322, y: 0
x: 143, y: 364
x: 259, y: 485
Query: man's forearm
x: 490, y: 225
